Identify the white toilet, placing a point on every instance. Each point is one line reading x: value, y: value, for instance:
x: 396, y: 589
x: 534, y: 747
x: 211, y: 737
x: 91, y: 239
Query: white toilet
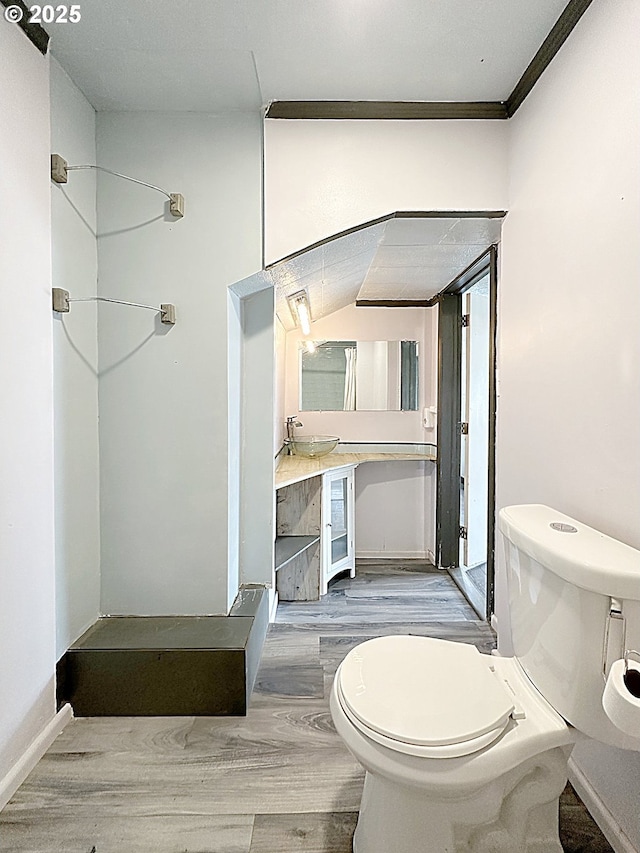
x: 468, y: 752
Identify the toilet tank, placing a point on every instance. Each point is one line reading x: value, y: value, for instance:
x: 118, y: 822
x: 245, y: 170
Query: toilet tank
x: 574, y: 599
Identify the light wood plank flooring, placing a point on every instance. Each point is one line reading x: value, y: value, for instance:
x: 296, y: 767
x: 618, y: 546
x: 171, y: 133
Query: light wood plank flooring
x: 276, y: 781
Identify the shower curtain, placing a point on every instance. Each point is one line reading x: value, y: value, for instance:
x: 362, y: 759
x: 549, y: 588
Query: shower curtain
x: 350, y: 380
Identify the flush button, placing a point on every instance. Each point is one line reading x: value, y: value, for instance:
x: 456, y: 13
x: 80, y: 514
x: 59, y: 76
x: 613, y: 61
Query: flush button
x: 562, y: 527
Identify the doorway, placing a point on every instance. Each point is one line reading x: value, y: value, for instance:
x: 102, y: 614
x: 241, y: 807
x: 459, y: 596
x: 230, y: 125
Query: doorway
x: 471, y: 573
x: 426, y: 251
x: 465, y: 528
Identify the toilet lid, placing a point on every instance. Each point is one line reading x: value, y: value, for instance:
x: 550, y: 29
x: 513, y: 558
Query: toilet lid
x: 422, y: 691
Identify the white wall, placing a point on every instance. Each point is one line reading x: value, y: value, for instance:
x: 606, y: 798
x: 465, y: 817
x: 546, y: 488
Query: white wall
x: 279, y: 409
x: 395, y: 510
x: 27, y: 569
x: 569, y: 339
x: 257, y: 525
x: 75, y: 340
x: 322, y: 177
x: 235, y: 379
x: 164, y: 391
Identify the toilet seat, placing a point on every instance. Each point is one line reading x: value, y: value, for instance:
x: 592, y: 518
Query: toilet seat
x: 424, y: 697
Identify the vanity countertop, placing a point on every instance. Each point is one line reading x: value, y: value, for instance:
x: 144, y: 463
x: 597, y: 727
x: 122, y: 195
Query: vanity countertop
x: 293, y: 469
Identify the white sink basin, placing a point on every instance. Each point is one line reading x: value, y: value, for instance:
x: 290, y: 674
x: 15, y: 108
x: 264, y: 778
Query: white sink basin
x: 313, y: 445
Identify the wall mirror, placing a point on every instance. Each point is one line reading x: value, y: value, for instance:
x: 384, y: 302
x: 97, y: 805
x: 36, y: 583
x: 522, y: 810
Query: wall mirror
x: 343, y: 376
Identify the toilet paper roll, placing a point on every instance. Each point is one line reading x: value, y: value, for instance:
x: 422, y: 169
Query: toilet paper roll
x: 620, y: 705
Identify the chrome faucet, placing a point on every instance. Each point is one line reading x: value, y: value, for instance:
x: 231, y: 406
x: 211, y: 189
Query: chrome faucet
x: 292, y: 423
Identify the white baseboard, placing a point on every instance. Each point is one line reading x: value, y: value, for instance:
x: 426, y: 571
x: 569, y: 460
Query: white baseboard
x: 393, y: 555
x: 21, y: 769
x: 610, y: 827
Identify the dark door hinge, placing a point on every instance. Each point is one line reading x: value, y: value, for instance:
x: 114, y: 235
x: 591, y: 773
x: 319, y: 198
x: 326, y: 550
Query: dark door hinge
x: 465, y: 320
x: 464, y: 428
x: 463, y: 532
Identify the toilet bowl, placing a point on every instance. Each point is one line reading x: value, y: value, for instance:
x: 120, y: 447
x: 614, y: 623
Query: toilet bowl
x: 466, y: 752
x: 461, y: 752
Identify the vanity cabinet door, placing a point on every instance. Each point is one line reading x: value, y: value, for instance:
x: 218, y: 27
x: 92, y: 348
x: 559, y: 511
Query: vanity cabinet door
x: 338, y: 548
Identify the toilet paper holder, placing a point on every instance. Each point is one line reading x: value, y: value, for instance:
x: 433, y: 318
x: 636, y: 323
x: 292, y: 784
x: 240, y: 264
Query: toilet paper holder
x: 631, y: 677
x: 615, y: 637
x: 621, y: 695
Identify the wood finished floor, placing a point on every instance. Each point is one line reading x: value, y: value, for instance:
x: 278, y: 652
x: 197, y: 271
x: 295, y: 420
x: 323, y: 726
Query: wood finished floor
x: 276, y: 781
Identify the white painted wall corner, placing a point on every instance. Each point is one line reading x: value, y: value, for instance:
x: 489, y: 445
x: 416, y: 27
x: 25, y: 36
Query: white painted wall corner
x: 21, y: 769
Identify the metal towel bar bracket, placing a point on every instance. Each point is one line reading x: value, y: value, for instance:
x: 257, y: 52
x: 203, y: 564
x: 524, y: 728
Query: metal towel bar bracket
x: 61, y: 302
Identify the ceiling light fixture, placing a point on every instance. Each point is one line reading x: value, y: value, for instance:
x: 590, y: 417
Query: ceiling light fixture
x: 299, y: 304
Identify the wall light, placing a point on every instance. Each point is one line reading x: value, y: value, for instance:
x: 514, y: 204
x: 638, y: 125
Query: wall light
x: 299, y: 304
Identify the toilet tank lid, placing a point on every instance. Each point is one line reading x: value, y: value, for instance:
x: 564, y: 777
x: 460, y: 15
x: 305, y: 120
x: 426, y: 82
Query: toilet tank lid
x: 585, y: 558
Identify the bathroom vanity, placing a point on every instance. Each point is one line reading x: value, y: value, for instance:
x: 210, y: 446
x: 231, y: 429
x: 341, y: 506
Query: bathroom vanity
x: 314, y: 533
x: 315, y: 514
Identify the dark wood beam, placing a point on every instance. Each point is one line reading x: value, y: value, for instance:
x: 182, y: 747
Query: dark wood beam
x: 395, y: 303
x: 36, y: 34
x: 392, y: 110
x: 560, y: 32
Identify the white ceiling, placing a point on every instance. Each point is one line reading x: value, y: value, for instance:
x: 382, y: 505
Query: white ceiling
x: 221, y: 55
x: 403, y: 258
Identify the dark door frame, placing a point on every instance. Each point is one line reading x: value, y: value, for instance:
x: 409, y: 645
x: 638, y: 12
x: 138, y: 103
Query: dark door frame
x: 449, y: 417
